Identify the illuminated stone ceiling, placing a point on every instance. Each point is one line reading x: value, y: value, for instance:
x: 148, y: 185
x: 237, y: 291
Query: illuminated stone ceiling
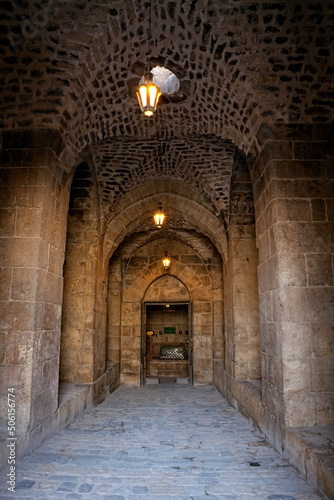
x: 74, y: 66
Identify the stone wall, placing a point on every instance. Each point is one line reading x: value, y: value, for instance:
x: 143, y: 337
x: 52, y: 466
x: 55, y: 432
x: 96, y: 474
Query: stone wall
x: 78, y: 316
x: 143, y: 268
x: 33, y: 205
x: 242, y: 327
x: 114, y: 300
x: 34, y: 202
x: 293, y: 189
x: 293, y: 195
x: 292, y: 403
x: 69, y: 100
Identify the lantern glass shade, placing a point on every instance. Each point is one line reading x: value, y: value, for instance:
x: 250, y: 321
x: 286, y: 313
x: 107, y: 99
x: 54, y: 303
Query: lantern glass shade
x: 166, y: 261
x: 148, y: 95
x: 159, y: 219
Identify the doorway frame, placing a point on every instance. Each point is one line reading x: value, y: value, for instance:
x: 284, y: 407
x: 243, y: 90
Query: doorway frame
x: 144, y: 306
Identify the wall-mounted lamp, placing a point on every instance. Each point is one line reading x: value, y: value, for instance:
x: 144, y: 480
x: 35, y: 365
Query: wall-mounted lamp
x: 159, y: 216
x: 166, y: 261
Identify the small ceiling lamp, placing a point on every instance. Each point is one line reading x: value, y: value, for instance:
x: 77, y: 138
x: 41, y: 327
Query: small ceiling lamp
x: 159, y: 216
x: 166, y: 261
x: 148, y: 93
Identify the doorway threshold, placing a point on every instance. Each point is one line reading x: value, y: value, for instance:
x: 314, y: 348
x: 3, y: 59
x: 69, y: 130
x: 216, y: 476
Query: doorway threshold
x: 167, y: 380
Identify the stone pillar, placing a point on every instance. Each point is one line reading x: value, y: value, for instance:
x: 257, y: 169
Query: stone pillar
x: 33, y: 213
x: 114, y: 311
x: 243, y: 330
x: 130, y: 343
x: 241, y: 287
x: 83, y: 347
x: 294, y: 186
x: 203, y: 340
x: 218, y: 312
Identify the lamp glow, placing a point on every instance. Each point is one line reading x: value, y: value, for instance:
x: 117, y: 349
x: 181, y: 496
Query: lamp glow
x: 159, y: 216
x: 148, y: 95
x: 166, y: 261
x: 159, y: 219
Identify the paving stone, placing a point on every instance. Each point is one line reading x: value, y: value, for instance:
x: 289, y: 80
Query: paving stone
x: 25, y: 484
x: 171, y: 442
x: 140, y: 489
x: 66, y: 486
x: 85, y: 488
x: 280, y: 497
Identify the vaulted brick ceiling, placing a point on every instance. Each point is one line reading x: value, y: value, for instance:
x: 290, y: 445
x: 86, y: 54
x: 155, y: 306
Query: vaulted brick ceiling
x: 238, y: 62
x: 75, y: 65
x: 205, y: 164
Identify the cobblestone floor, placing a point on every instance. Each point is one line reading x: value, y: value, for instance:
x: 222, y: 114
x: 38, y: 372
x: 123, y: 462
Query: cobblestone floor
x: 164, y: 442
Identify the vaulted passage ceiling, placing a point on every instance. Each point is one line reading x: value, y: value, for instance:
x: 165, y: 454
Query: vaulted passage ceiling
x: 205, y: 164
x: 74, y: 66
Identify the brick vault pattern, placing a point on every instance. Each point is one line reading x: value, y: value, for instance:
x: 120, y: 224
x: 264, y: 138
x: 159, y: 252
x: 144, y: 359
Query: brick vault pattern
x: 205, y: 164
x: 200, y: 244
x: 74, y: 66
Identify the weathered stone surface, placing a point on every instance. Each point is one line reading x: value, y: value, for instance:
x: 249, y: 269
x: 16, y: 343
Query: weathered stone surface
x: 319, y: 269
x: 241, y: 160
x: 165, y: 289
x: 300, y: 409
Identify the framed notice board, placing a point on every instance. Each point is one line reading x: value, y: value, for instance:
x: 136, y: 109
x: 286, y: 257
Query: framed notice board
x: 169, y: 330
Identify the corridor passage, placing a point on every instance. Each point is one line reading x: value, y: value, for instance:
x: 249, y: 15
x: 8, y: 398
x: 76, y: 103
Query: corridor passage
x: 162, y: 442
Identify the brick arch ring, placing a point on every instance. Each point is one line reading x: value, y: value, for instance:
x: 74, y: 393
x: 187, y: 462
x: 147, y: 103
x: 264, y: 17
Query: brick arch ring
x: 150, y: 294
x: 153, y: 272
x: 123, y: 223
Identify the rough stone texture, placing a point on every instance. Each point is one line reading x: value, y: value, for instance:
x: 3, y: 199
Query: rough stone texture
x: 143, y: 267
x: 309, y: 449
x: 164, y: 441
x: 295, y: 280
x: 169, y: 369
x: 32, y: 248
x: 167, y: 288
x: 72, y: 401
x: 204, y: 164
x: 186, y: 209
x: 255, y: 77
x: 239, y: 64
x: 242, y: 328
x: 83, y: 344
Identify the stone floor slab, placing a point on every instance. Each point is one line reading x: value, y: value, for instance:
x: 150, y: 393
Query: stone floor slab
x: 158, y: 442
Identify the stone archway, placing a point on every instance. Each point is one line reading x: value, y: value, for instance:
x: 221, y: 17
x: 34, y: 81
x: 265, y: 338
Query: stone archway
x: 166, y: 288
x: 202, y: 218
x: 203, y: 281
x: 166, y: 330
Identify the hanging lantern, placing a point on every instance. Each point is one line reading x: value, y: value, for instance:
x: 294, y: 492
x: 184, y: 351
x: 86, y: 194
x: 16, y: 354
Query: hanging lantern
x: 159, y: 216
x: 166, y: 261
x: 148, y: 95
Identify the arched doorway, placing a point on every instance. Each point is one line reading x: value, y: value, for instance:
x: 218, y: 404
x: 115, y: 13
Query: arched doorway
x: 166, y: 346
x: 136, y: 277
x: 167, y: 342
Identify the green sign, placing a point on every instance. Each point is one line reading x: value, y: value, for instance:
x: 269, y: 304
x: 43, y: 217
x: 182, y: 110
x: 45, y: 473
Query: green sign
x: 169, y: 329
